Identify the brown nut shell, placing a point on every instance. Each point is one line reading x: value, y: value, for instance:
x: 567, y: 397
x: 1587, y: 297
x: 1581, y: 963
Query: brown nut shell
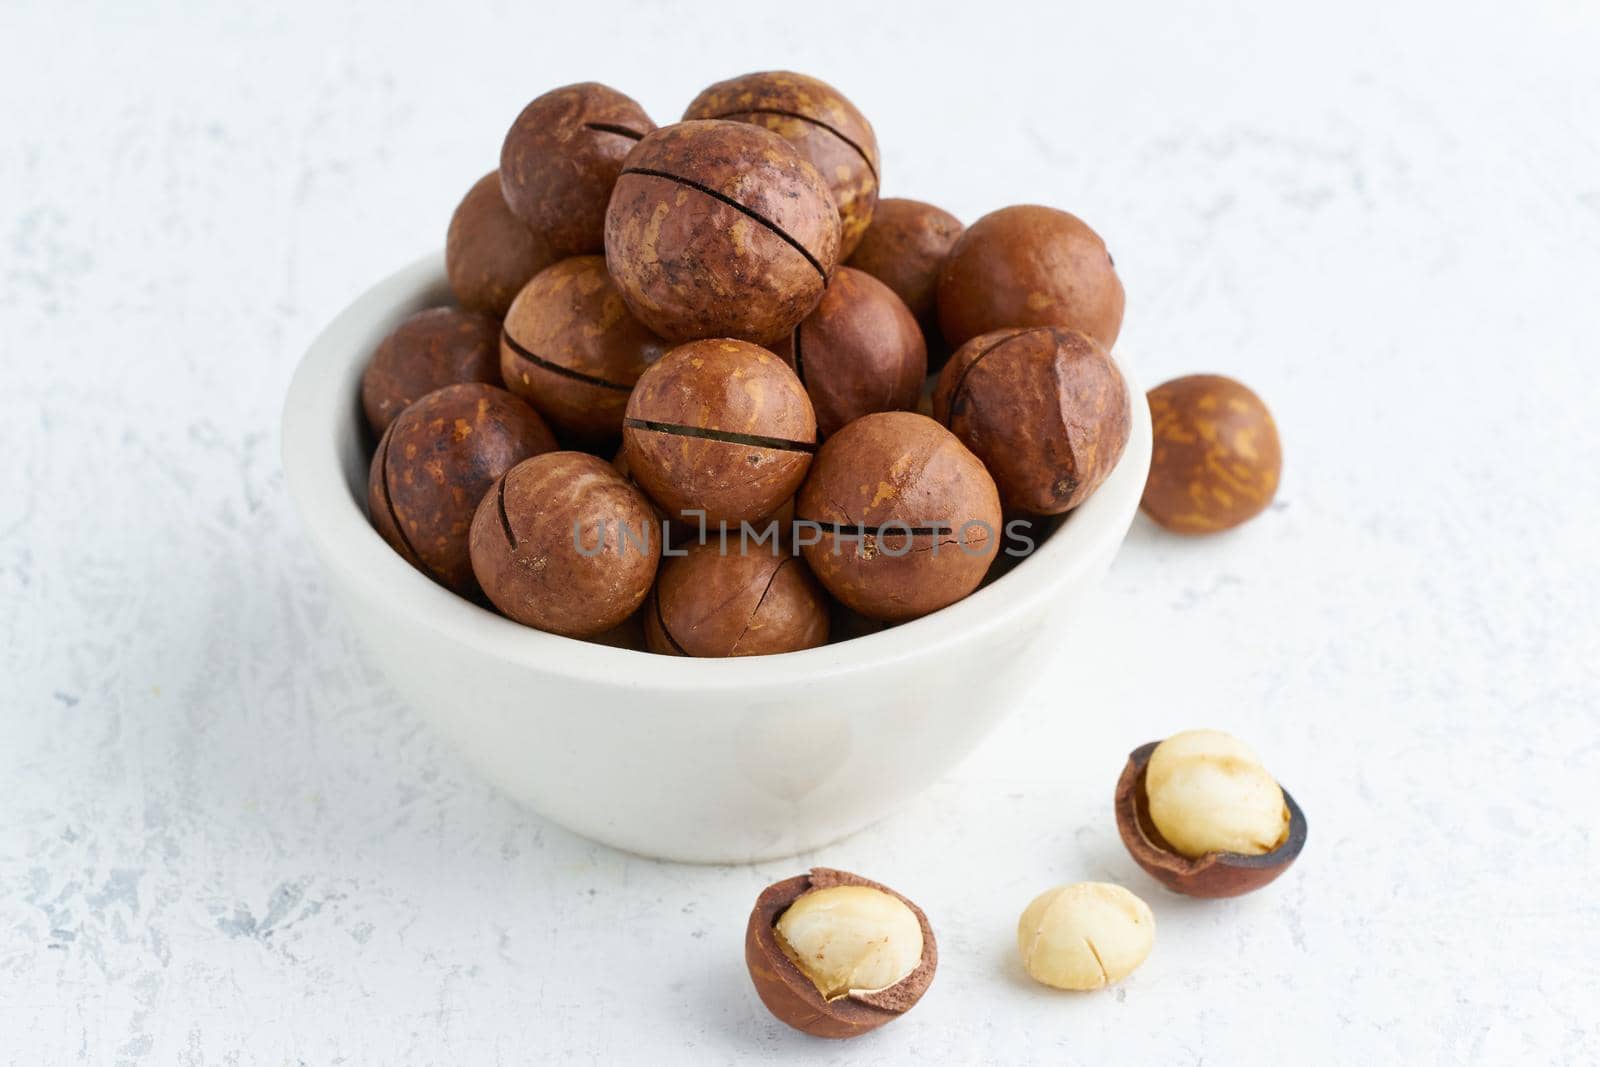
x: 906, y: 518
x: 719, y: 426
x: 726, y: 602
x: 1029, y: 266
x: 827, y: 130
x: 720, y: 229
x: 434, y: 465
x: 430, y: 350
x: 571, y: 348
x: 905, y: 249
x: 860, y: 351
x: 791, y: 996
x: 561, y: 159
x: 1216, y: 874
x: 489, y: 253
x: 539, y: 557
x: 1216, y: 459
x: 1044, y: 408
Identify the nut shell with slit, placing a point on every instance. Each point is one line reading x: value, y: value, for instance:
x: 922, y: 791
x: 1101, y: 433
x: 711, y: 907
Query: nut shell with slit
x: 745, y: 600
x: 565, y: 544
x: 720, y: 229
x: 434, y: 465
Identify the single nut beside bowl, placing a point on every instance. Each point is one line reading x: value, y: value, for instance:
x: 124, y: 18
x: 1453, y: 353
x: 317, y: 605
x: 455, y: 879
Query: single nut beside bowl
x: 1084, y: 936
x: 836, y: 955
x: 1201, y: 814
x: 1217, y: 457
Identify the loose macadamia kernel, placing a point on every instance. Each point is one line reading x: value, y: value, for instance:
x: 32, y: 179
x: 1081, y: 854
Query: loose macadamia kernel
x: 1085, y: 936
x: 1216, y: 457
x: 1209, y: 793
x: 851, y: 938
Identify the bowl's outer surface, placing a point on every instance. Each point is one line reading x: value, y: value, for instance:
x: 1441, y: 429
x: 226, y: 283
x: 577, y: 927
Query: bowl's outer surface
x: 695, y: 760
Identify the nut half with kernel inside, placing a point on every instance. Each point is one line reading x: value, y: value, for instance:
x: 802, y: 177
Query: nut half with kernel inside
x: 1201, y: 814
x: 835, y: 955
x: 1084, y: 936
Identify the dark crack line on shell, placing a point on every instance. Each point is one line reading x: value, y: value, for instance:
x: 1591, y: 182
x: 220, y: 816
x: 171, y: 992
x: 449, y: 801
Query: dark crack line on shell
x: 961, y: 383
x: 892, y: 529
x: 661, y: 621
x: 799, y: 365
x: 725, y: 436
x: 620, y: 131
x: 815, y: 122
x: 556, y: 368
x: 388, y: 501
x: 734, y: 648
x: 505, y: 519
x: 731, y: 202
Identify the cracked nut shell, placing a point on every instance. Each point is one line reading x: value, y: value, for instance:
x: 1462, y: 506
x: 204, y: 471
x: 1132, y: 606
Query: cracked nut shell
x: 526, y: 538
x: 905, y: 249
x: 561, y: 159
x: 909, y: 520
x: 434, y: 465
x: 751, y: 603
x: 571, y: 348
x: 860, y: 351
x: 430, y: 350
x: 1044, y: 408
x: 489, y: 253
x: 1029, y: 266
x: 720, y: 426
x: 720, y: 229
x: 825, y: 128
x: 1216, y: 458
x: 792, y: 997
x: 1215, y: 874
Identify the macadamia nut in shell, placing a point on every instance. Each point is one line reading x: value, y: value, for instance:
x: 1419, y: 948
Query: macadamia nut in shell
x: 1216, y: 458
x: 1209, y: 793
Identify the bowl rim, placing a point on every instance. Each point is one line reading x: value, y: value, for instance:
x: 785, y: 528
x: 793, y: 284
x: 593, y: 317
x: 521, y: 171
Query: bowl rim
x: 316, y: 415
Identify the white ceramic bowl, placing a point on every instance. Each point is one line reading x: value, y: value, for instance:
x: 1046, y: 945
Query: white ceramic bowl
x: 701, y: 760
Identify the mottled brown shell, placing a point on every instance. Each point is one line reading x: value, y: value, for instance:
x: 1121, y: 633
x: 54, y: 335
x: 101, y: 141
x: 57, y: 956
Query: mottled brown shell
x: 561, y: 158
x: 565, y: 544
x: 1217, y: 457
x: 824, y: 127
x: 905, y: 248
x: 1044, y: 408
x: 1216, y: 874
x: 859, y: 352
x: 430, y: 350
x: 889, y: 473
x: 740, y: 600
x: 792, y: 997
x: 435, y: 463
x: 720, y: 229
x: 489, y: 253
x: 1029, y: 266
x: 721, y: 426
x: 572, y: 349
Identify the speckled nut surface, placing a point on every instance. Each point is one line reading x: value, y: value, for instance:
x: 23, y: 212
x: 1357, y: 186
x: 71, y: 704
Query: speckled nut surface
x: 1217, y: 457
x: 824, y: 127
x: 720, y: 426
x: 721, y: 601
x: 859, y: 352
x: 572, y: 349
x: 565, y: 544
x: 1029, y: 266
x: 435, y: 463
x: 905, y: 249
x: 720, y: 229
x: 793, y: 998
x: 1214, y: 874
x: 561, y: 159
x: 929, y: 511
x: 1044, y: 408
x: 430, y: 350
x: 489, y: 253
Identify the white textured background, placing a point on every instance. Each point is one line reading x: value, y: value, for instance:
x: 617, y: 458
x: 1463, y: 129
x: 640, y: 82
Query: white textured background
x: 222, y: 840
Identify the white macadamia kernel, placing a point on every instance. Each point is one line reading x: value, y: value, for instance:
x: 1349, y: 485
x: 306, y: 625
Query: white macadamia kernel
x: 1208, y: 792
x: 1084, y: 936
x: 851, y: 939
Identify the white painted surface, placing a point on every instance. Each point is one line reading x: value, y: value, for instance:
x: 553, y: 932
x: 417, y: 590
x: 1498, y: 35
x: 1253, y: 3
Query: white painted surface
x: 223, y: 840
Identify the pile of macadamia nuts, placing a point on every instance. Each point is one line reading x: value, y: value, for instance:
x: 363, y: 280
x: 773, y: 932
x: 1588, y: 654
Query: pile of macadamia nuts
x: 714, y: 333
